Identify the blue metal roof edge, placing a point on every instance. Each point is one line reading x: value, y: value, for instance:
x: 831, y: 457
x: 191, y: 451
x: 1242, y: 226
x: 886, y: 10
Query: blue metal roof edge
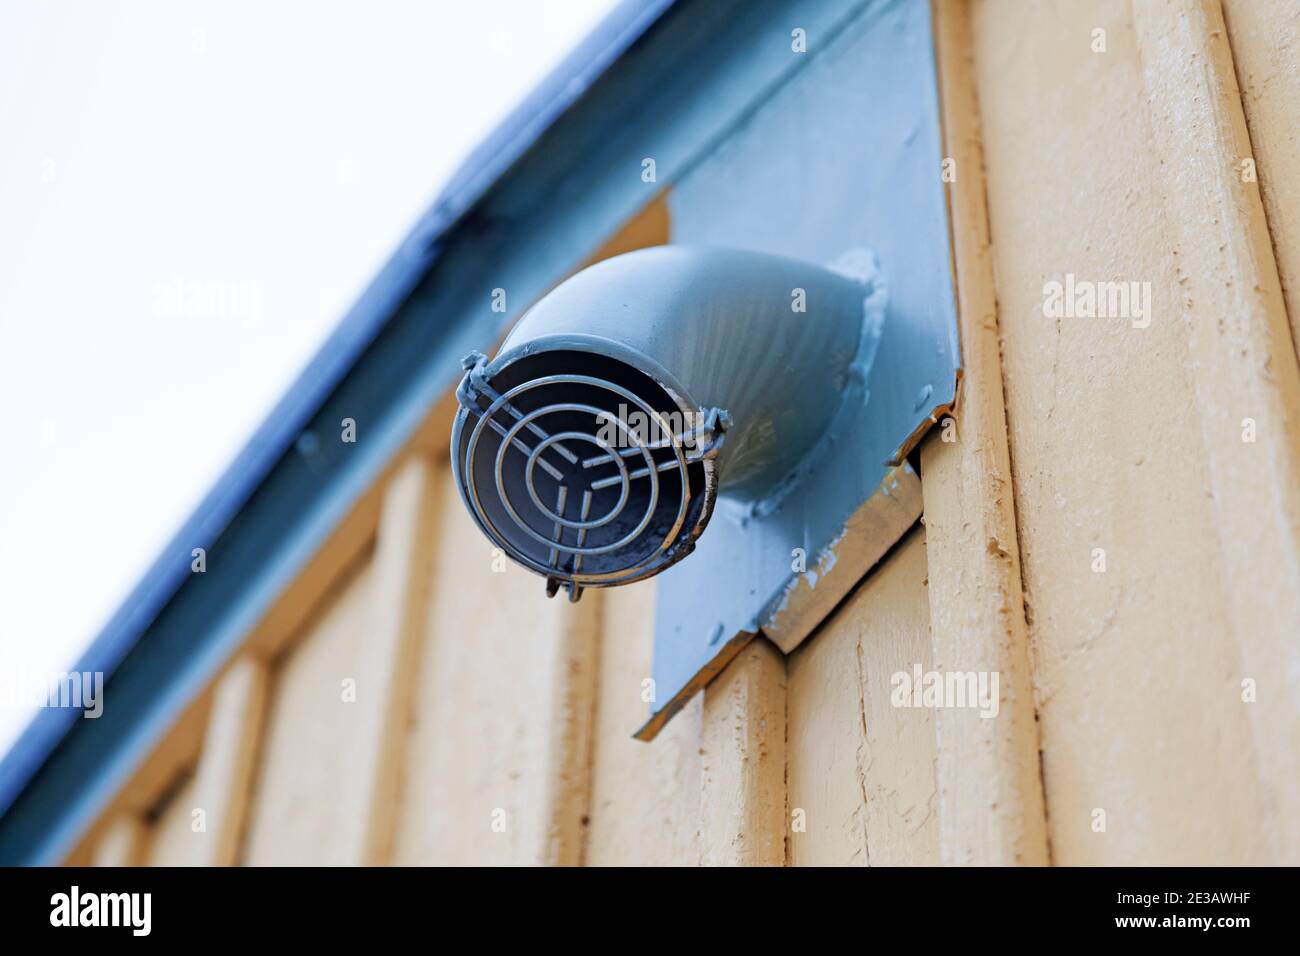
x: 621, y: 28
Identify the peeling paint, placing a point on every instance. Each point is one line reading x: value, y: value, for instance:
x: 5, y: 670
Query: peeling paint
x: 811, y: 176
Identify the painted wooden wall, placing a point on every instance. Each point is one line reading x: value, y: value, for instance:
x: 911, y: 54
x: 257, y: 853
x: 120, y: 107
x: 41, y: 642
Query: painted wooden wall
x: 1133, y: 439
x: 1106, y: 533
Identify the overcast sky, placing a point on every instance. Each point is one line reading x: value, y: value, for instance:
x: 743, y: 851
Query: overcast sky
x: 191, y: 195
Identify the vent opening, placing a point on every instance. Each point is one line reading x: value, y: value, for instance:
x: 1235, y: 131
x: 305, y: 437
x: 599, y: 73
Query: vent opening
x: 583, y: 468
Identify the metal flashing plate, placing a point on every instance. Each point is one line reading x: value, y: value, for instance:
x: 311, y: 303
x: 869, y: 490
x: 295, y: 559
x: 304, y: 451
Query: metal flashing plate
x: 846, y: 154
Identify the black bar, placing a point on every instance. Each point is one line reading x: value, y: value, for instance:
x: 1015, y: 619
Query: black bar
x: 332, y: 906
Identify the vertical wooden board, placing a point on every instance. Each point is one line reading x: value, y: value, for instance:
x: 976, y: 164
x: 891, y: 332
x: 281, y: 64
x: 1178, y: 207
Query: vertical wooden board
x: 218, y: 789
x: 1137, y: 673
x: 1245, y: 371
x: 497, y: 753
x: 365, y: 650
x: 1266, y: 50
x: 223, y: 780
x: 173, y: 756
x: 742, y: 751
x: 123, y: 842
x: 395, y: 625
x: 990, y: 784
x: 173, y: 839
x: 861, y: 771
x: 645, y: 803
x: 300, y: 812
x: 710, y: 788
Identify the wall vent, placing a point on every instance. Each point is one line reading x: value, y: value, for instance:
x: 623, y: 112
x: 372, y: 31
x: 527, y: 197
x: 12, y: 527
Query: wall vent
x: 577, y: 466
x: 593, y: 448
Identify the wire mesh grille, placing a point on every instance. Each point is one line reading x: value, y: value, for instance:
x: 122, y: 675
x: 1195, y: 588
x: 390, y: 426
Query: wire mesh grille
x: 560, y: 470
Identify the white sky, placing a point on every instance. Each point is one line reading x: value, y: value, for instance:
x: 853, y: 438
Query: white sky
x: 191, y: 195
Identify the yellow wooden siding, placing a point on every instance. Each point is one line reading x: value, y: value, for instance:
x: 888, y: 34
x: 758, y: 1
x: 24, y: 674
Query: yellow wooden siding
x: 305, y: 807
x: 201, y: 823
x: 861, y: 772
x: 1123, y: 439
x: 224, y: 777
x: 1265, y: 37
x: 124, y: 842
x: 174, y: 839
x: 710, y: 788
x: 493, y: 726
x: 990, y: 805
x: 645, y: 801
x: 496, y: 757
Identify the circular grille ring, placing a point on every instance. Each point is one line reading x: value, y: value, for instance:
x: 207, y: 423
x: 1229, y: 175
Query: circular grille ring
x: 530, y: 484
x: 534, y: 462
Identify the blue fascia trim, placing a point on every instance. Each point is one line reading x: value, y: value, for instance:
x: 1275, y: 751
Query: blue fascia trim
x: 675, y: 93
x: 276, y: 436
